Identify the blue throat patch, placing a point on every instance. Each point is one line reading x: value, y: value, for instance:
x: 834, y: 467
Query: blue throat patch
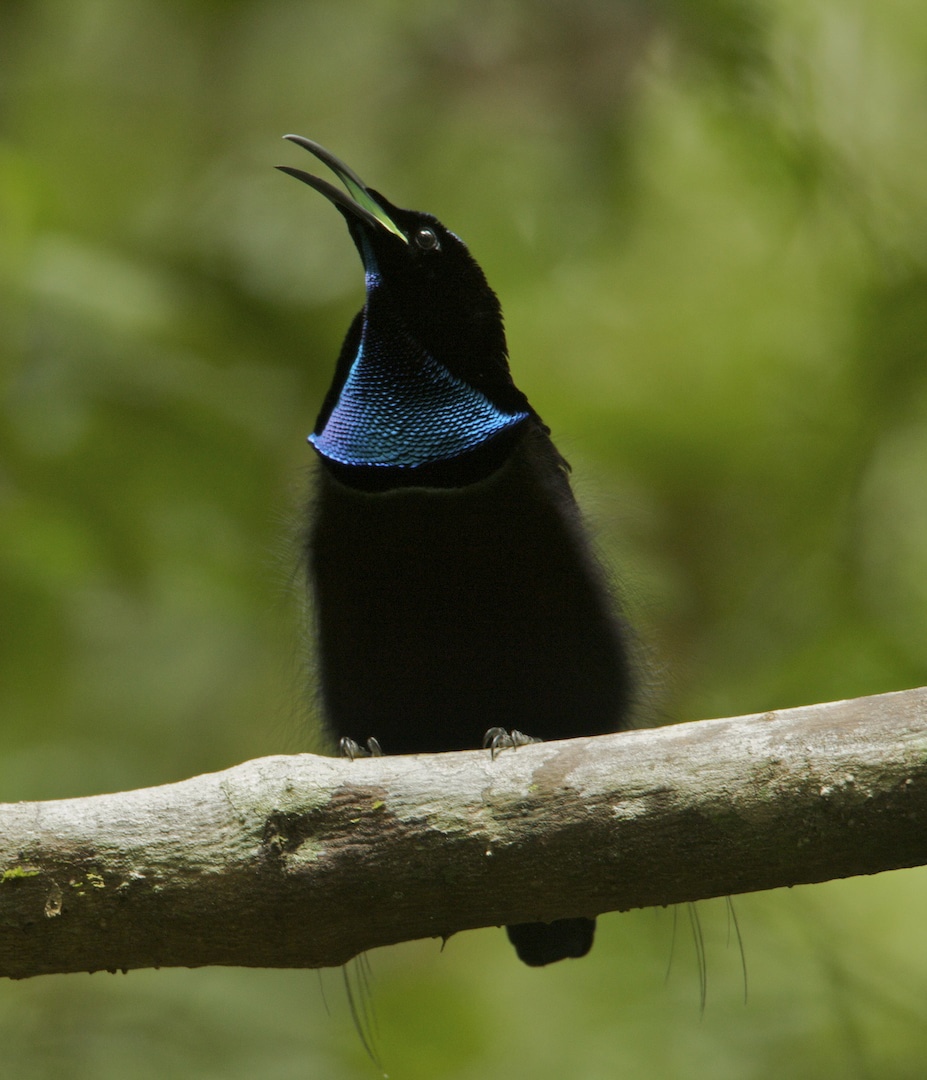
x: 400, y: 408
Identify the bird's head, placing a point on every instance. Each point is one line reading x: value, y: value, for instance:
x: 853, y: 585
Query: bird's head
x: 421, y: 275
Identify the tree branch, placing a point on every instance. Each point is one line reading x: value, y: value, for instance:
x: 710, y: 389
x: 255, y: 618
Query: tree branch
x: 306, y: 861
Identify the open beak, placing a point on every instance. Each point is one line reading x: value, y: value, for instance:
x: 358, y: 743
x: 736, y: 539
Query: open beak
x: 359, y: 201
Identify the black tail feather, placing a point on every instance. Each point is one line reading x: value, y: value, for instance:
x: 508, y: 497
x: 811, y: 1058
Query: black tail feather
x: 541, y: 943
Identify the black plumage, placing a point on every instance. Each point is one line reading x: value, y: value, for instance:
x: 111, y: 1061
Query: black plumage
x: 453, y: 582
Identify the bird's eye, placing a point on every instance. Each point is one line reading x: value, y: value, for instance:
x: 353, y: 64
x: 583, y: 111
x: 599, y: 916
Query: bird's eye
x: 427, y: 240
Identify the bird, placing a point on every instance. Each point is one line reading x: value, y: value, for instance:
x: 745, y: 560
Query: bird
x: 457, y: 597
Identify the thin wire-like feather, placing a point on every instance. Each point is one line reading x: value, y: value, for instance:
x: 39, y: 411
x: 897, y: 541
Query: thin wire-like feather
x: 359, y: 1003
x: 733, y: 921
x: 699, y: 940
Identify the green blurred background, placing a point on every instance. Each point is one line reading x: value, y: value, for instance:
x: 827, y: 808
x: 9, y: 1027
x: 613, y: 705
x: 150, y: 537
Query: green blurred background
x: 706, y: 222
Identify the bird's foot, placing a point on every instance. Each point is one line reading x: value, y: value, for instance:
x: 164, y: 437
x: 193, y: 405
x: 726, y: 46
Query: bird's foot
x: 498, y: 738
x: 350, y: 749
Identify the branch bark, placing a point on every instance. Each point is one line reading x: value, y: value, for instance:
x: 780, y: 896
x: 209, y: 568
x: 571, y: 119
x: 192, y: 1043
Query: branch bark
x: 306, y: 861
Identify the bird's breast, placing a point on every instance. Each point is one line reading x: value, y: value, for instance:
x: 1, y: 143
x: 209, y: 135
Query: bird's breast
x: 443, y: 612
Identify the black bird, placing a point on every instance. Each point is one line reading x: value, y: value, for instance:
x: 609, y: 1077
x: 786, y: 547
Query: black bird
x: 454, y: 586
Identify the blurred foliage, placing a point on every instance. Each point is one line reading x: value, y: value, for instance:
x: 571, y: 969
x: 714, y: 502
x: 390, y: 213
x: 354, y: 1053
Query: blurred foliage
x: 707, y: 226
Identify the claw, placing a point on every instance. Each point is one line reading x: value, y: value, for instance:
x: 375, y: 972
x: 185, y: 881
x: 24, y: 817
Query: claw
x: 350, y: 749
x: 498, y: 738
